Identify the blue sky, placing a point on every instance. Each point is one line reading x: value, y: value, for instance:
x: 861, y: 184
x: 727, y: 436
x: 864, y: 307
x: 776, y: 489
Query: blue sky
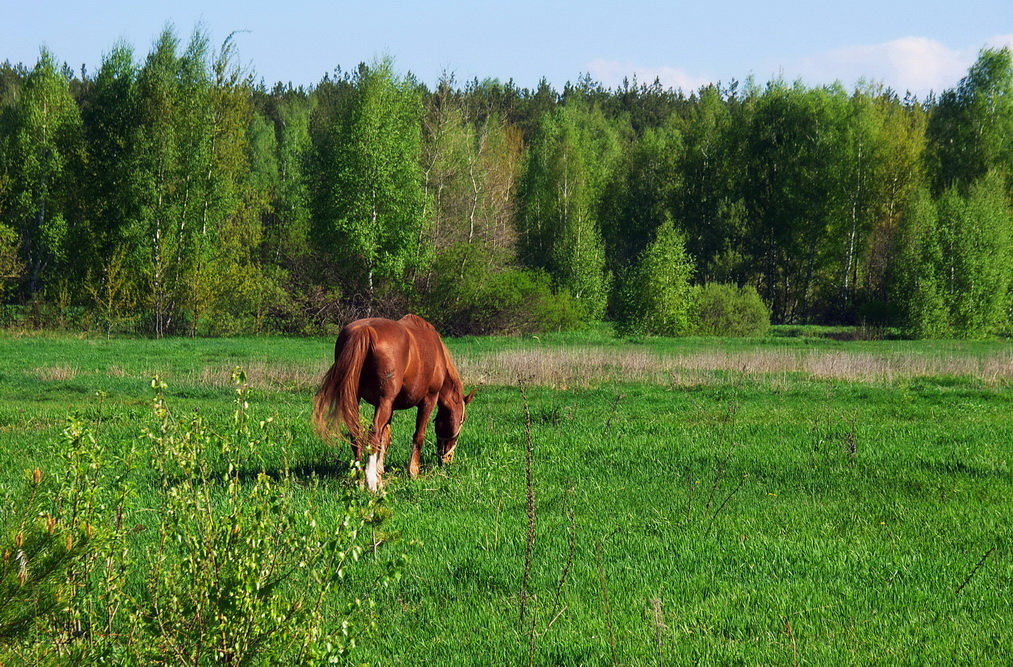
x: 914, y: 46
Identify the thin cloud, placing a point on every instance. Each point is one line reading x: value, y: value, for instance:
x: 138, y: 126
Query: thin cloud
x: 612, y: 72
x: 916, y: 64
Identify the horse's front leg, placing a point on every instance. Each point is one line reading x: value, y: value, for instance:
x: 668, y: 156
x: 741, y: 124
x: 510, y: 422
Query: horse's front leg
x: 379, y: 436
x: 421, y: 421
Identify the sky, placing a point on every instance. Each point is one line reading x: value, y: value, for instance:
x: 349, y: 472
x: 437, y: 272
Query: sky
x: 909, y: 46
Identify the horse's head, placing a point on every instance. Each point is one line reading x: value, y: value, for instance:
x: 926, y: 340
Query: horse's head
x: 450, y: 417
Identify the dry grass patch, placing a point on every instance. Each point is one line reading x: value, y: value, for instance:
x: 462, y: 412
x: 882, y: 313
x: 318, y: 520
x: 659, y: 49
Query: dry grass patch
x: 59, y: 373
x: 584, y: 366
x: 274, y: 376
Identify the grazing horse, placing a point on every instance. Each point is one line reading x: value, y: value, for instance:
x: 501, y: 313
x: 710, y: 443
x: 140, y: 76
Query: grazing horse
x: 393, y: 366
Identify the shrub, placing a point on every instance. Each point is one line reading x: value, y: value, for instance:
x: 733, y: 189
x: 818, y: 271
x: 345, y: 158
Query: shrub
x: 474, y: 292
x: 243, y: 569
x: 655, y: 297
x: 728, y: 310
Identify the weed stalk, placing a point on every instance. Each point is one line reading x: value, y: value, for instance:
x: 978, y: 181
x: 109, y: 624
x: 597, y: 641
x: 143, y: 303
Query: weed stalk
x: 529, y: 547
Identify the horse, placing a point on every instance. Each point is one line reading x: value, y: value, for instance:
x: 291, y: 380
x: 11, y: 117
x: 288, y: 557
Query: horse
x: 393, y: 365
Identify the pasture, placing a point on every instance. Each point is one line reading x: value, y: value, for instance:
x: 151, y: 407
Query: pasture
x: 787, y: 500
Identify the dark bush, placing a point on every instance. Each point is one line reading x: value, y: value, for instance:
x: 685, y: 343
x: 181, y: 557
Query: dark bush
x: 472, y: 291
x: 727, y: 310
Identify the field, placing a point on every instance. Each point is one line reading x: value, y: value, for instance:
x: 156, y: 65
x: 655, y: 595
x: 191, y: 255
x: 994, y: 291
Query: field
x: 781, y: 500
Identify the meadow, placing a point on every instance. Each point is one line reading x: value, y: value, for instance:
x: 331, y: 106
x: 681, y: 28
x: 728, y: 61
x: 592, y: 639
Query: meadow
x: 791, y: 499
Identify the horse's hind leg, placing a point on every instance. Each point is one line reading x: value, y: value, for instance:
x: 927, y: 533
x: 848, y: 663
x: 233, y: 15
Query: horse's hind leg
x: 384, y: 444
x: 379, y: 435
x: 421, y: 421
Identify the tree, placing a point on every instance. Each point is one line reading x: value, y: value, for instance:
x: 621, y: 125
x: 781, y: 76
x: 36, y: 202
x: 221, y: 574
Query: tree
x: 899, y: 175
x: 709, y: 204
x: 957, y: 262
x: 656, y: 297
x: 569, y: 163
x: 42, y: 155
x: 110, y: 115
x: 168, y: 152
x: 971, y: 129
x: 976, y: 238
x: 644, y: 194
x: 790, y: 191
x: 370, y: 202
x: 916, y: 292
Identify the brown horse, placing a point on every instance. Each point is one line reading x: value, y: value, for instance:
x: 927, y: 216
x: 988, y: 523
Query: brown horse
x: 393, y: 366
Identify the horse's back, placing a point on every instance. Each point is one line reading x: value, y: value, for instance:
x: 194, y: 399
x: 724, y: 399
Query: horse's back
x: 406, y: 357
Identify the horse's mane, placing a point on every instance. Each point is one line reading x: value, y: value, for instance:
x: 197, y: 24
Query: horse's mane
x: 455, y: 377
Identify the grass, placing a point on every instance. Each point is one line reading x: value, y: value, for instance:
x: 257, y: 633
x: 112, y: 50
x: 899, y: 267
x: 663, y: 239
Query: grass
x: 778, y: 500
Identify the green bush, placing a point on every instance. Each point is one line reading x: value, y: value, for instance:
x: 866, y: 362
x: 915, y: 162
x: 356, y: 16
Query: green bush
x: 728, y: 310
x: 244, y: 567
x: 655, y: 296
x: 473, y: 292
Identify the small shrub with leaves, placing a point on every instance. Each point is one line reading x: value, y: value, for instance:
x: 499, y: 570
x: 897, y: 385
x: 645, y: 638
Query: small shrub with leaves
x: 244, y: 568
x: 474, y: 291
x: 655, y: 297
x: 728, y: 310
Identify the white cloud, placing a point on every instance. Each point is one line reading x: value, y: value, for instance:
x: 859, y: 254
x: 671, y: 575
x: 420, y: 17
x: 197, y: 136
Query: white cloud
x: 612, y: 72
x: 918, y: 64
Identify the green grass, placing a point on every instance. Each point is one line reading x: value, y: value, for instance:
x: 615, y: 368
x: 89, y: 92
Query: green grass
x: 805, y: 551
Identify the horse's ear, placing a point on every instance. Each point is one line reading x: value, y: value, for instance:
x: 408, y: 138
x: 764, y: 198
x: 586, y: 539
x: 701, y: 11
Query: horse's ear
x: 467, y: 399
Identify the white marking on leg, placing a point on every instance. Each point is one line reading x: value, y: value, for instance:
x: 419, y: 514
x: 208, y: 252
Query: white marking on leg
x: 372, y: 478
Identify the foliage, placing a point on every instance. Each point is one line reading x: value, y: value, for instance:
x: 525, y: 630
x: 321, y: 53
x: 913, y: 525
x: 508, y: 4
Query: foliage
x: 40, y: 148
x: 243, y: 569
x: 173, y: 194
x: 473, y: 293
x: 370, y: 203
x: 656, y: 297
x: 720, y: 309
x: 957, y: 257
x: 11, y: 265
x: 972, y: 126
x: 569, y: 165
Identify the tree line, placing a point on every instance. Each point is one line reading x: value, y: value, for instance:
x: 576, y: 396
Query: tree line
x: 175, y: 194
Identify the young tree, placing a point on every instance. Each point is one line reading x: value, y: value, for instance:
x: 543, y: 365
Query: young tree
x: 915, y: 290
x: 370, y: 202
x: 976, y: 237
x: 570, y: 161
x: 656, y: 297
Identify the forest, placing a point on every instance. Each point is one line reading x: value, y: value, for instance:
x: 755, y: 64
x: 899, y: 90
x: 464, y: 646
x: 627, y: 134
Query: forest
x: 175, y: 194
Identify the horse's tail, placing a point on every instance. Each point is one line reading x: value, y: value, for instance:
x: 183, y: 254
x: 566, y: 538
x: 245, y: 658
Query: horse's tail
x: 339, y: 391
